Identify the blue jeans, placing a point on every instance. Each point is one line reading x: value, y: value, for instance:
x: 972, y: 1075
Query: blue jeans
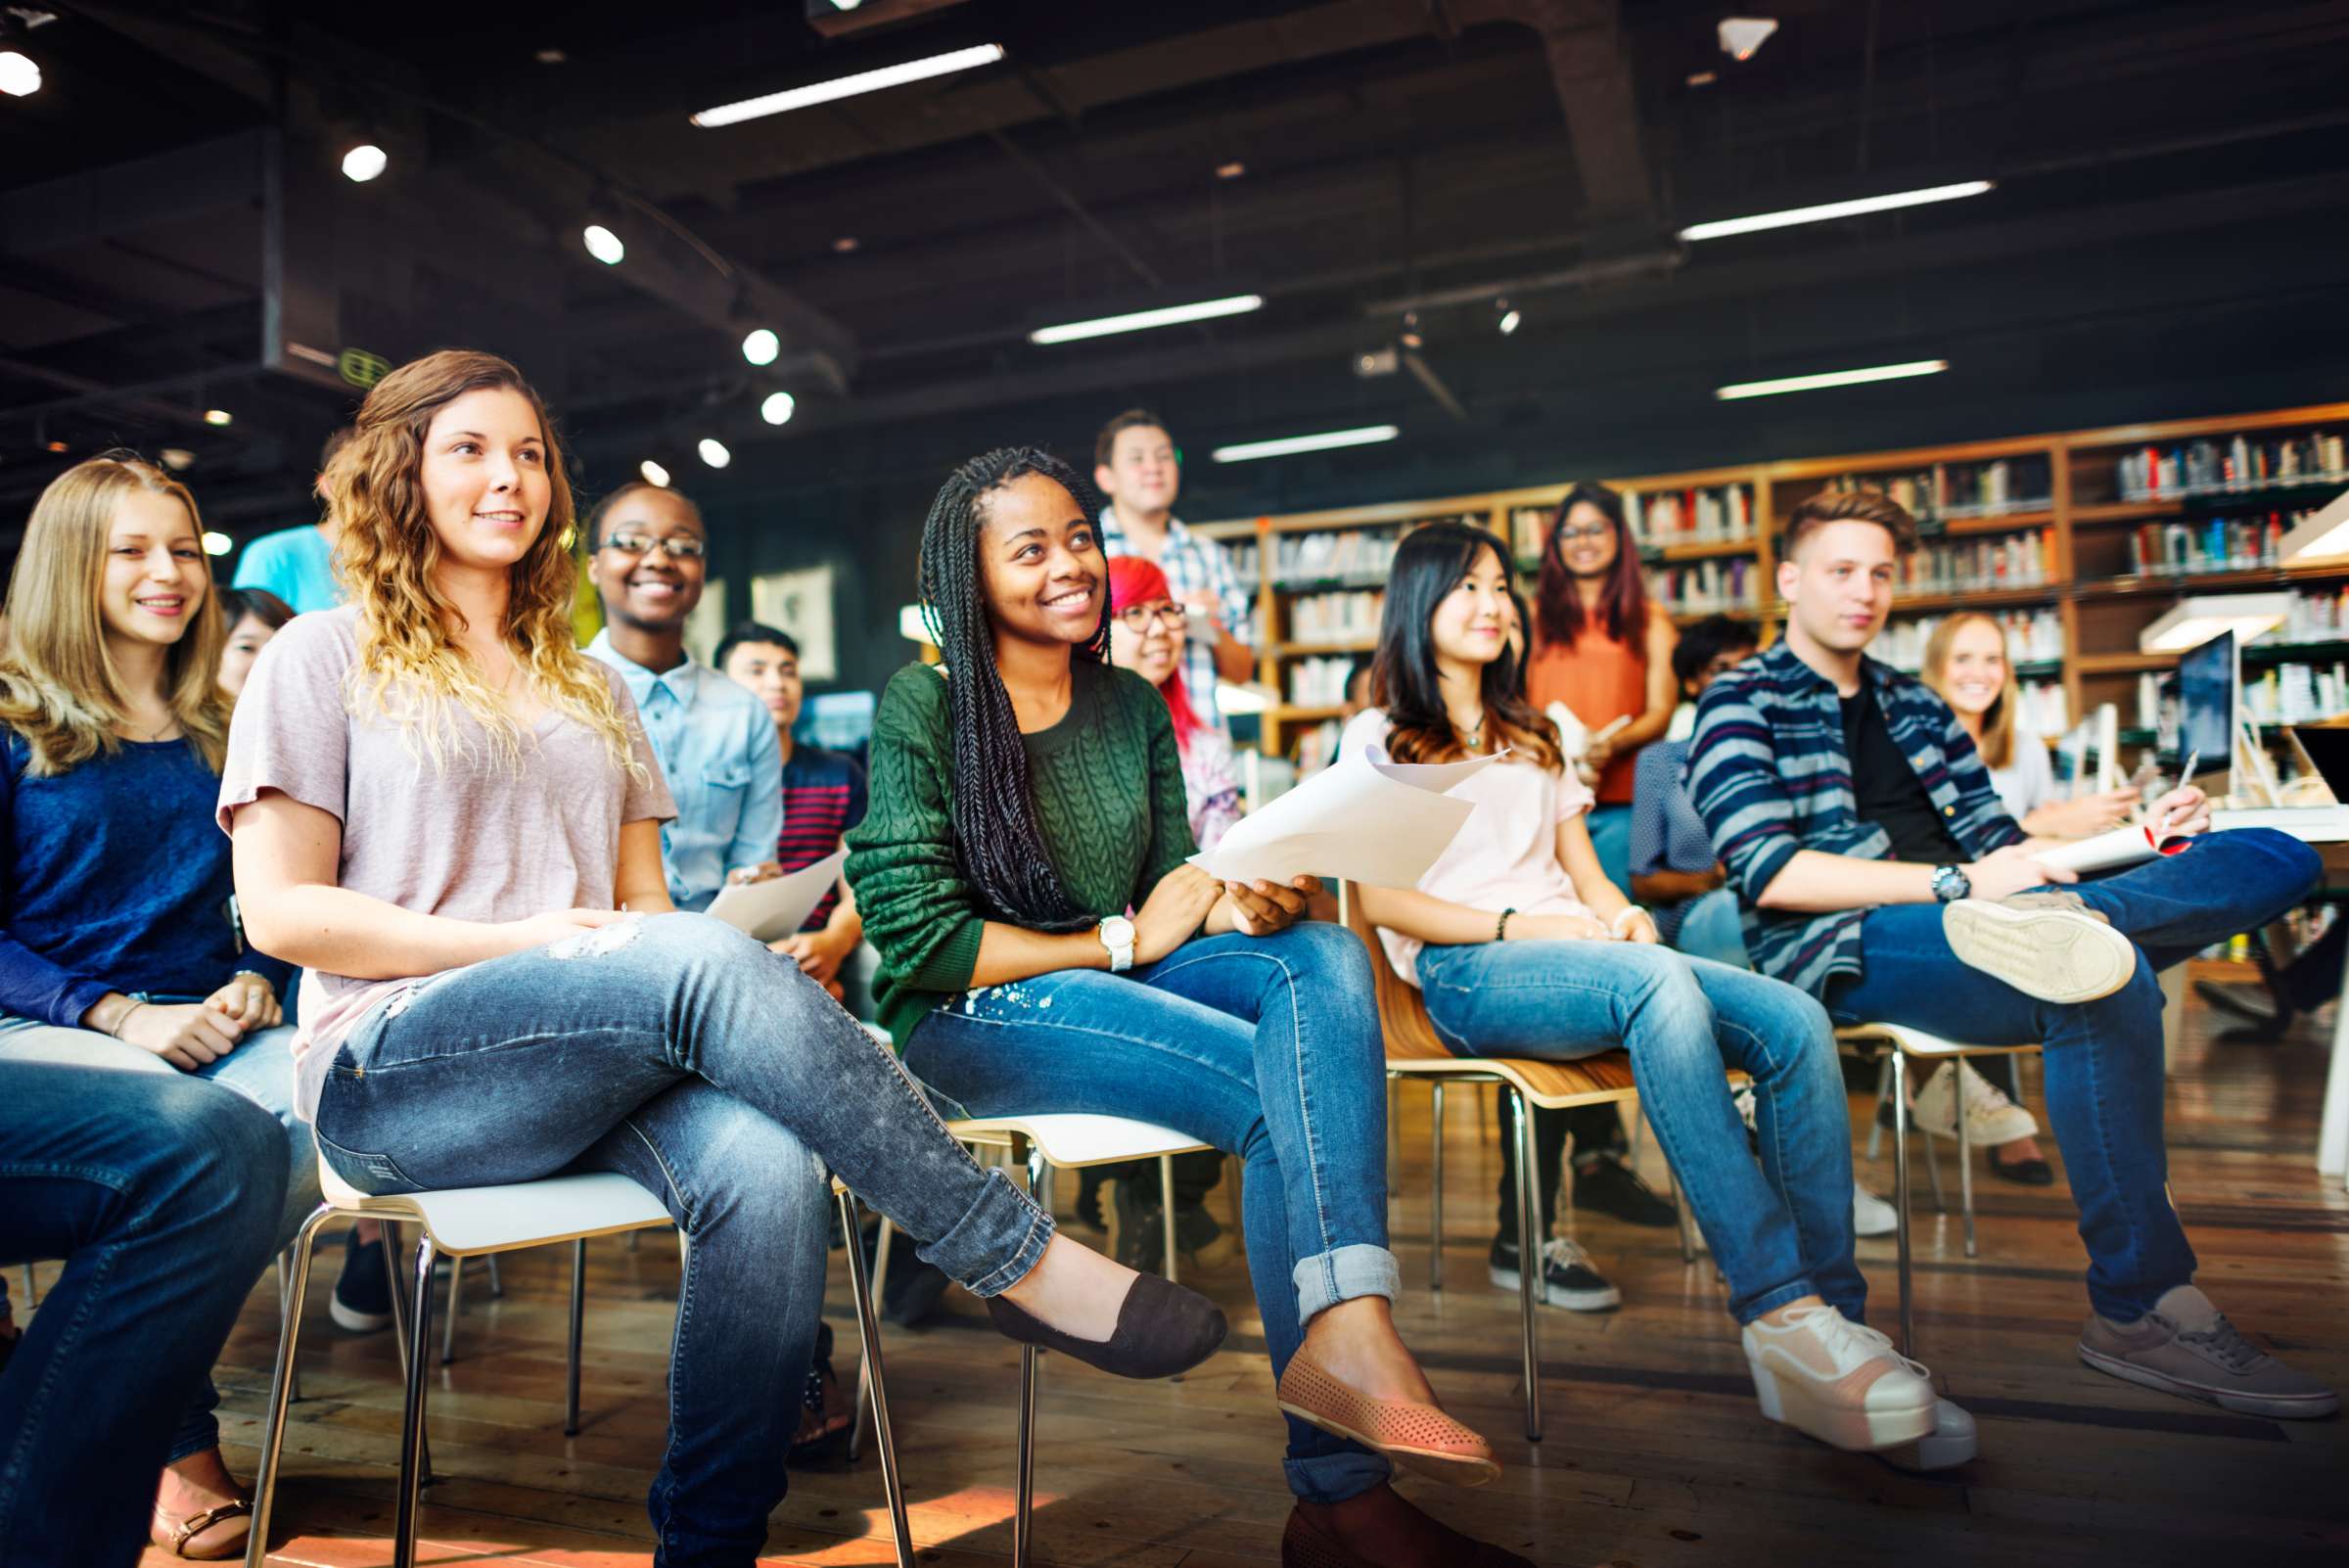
x: 262, y: 1069
x: 681, y: 1053
x: 1611, y: 836
x: 2103, y: 1063
x: 1780, y: 1231
x: 1711, y: 928
x: 1266, y: 1047
x: 162, y: 1195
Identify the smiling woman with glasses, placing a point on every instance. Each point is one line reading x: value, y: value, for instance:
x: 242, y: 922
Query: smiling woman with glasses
x: 631, y: 542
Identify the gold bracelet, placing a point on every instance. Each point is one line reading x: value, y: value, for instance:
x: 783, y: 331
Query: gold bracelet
x: 124, y: 1017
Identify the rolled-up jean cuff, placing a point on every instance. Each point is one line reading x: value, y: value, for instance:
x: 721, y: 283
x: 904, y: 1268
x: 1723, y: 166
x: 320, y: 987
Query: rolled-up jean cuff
x: 1343, y: 1273
x: 1330, y: 1479
x: 1769, y: 1301
x: 1001, y: 1219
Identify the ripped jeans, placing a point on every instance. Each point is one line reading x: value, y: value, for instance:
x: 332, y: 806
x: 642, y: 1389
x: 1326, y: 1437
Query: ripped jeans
x: 678, y: 1051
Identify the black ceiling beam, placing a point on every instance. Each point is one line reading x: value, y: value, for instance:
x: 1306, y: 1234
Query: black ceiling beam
x: 184, y: 183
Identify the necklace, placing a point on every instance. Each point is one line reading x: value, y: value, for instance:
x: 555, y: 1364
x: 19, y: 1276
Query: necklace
x: 170, y: 722
x: 1474, y: 737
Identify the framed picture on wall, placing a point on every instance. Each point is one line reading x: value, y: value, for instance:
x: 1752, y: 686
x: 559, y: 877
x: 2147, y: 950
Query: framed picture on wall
x: 800, y: 603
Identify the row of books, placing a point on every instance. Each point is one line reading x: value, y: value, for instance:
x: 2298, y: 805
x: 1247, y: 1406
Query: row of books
x: 2241, y: 544
x: 1977, y: 564
x: 2038, y: 708
x: 2297, y: 693
x: 2033, y: 637
x: 1721, y: 515
x: 1947, y: 490
x: 1707, y: 587
x: 1318, y: 682
x: 2317, y: 614
x: 1243, y: 558
x: 1335, y: 617
x: 1318, y: 747
x: 2235, y: 463
x: 1356, y: 554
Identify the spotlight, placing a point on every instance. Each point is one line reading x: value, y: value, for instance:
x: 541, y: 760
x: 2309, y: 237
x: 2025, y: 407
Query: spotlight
x: 778, y: 408
x: 365, y: 162
x: 550, y: 56
x: 1232, y: 171
x: 762, y: 346
x: 178, y: 459
x: 1511, y: 318
x: 19, y: 77
x: 603, y: 245
x: 713, y: 452
x: 845, y: 244
x: 1409, y: 336
x: 1740, y: 36
x: 654, y: 472
x: 219, y: 416
x: 218, y: 543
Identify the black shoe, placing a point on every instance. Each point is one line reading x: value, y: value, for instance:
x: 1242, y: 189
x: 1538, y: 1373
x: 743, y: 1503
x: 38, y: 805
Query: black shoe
x: 2252, y: 1004
x: 1614, y: 1188
x: 2023, y: 1173
x: 362, y: 1299
x: 1568, y: 1279
x: 1162, y: 1329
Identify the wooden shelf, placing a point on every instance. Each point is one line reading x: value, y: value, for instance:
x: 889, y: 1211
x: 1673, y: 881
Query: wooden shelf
x: 2122, y: 664
x: 1746, y: 611
x: 1289, y: 712
x: 2102, y: 512
x: 1307, y: 650
x: 2003, y: 523
x: 1710, y: 549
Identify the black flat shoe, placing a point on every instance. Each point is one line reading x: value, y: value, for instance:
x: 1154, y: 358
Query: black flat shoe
x: 1162, y: 1329
x: 2022, y: 1173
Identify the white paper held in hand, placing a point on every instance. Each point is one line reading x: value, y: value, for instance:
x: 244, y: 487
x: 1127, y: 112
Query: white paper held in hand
x: 774, y: 909
x: 1378, y: 823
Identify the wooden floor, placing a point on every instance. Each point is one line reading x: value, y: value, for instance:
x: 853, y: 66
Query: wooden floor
x: 1655, y: 1454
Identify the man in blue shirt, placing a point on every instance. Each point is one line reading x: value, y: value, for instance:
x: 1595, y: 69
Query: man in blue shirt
x: 297, y: 564
x: 716, y: 742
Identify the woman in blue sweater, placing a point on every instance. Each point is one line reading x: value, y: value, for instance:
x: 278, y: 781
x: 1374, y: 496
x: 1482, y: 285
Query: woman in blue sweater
x: 119, y: 941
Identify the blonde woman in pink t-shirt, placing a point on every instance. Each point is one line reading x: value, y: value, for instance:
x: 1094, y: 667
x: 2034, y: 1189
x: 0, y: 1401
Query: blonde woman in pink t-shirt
x: 1521, y: 946
x: 451, y: 818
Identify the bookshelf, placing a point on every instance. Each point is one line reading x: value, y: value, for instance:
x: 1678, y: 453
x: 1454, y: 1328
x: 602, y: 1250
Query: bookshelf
x: 2076, y: 541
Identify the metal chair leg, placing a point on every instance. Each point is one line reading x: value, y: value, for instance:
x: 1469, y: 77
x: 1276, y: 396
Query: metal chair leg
x: 1166, y: 1205
x: 870, y: 1382
x: 1023, y: 1527
x: 864, y: 1388
x: 1531, y: 1283
x: 412, y: 1461
x: 280, y: 1385
x: 578, y: 1322
x: 1875, y: 1129
x: 497, y: 1286
x: 394, y: 1257
x: 32, y: 1295
x: 1435, y: 1189
x: 456, y: 1294
x: 285, y: 1305
x: 1900, y: 1196
x: 1965, y: 1162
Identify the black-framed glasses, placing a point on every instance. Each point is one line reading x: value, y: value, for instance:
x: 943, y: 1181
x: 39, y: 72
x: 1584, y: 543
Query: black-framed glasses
x: 1136, y: 617
x: 684, y: 549
x: 1587, y: 530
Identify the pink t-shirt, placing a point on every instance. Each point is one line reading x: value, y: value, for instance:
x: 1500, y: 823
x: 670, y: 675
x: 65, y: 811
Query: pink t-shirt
x: 1506, y: 854
x: 483, y: 837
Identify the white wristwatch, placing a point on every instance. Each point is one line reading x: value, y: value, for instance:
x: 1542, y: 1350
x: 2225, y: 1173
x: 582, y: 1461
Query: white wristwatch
x: 1117, y: 935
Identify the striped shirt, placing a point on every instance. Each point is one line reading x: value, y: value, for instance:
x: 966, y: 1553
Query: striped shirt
x: 823, y: 797
x: 1194, y: 564
x: 1767, y: 771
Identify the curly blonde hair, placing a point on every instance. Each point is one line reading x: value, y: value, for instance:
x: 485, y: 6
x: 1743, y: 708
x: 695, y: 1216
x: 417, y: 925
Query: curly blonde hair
x: 58, y: 686
x: 411, y: 668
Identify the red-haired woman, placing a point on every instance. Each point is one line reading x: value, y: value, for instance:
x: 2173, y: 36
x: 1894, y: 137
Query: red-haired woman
x: 1146, y: 632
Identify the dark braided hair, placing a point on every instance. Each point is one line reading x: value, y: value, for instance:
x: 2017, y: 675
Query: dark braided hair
x: 996, y: 834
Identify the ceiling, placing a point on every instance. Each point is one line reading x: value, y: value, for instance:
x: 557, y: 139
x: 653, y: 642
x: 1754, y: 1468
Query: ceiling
x: 174, y: 237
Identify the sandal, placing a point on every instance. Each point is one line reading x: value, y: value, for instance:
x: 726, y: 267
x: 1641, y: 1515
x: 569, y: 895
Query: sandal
x: 1419, y: 1437
x: 172, y: 1533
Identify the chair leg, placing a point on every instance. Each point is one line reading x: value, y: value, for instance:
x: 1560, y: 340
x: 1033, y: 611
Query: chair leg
x: 1435, y: 1189
x: 412, y: 1461
x: 497, y: 1286
x: 870, y: 1382
x: 1965, y: 1162
x: 296, y: 1278
x: 1900, y: 1196
x: 32, y: 1295
x: 578, y: 1322
x: 1531, y: 1285
x: 1166, y: 1208
x: 393, y: 1257
x: 1875, y: 1129
x: 864, y: 1391
x: 285, y: 1306
x: 456, y: 1296
x: 1023, y: 1526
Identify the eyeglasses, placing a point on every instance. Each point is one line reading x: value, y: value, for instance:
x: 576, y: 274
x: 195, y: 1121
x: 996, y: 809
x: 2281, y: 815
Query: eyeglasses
x: 1589, y: 530
x: 686, y: 549
x: 1136, y: 617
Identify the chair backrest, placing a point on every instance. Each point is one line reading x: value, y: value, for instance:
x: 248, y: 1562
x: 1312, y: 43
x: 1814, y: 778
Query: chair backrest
x: 1410, y: 1034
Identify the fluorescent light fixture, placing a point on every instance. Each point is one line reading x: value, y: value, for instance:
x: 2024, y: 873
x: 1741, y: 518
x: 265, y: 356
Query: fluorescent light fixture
x: 1248, y: 699
x: 1740, y: 36
x: 911, y: 627
x: 713, y: 452
x: 778, y: 408
x: 603, y: 245
x: 654, y: 472
x: 219, y: 416
x: 1249, y: 452
x: 1836, y: 209
x: 19, y: 77
x: 365, y: 162
x: 2323, y: 532
x: 218, y: 543
x: 1829, y: 378
x: 864, y: 82
x: 2191, y: 623
x: 1239, y: 305
x: 762, y: 346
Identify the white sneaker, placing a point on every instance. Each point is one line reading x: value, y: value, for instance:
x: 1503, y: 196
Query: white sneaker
x: 1991, y: 1117
x: 1871, y: 1216
x: 1843, y: 1384
x: 2046, y: 944
x: 1949, y: 1442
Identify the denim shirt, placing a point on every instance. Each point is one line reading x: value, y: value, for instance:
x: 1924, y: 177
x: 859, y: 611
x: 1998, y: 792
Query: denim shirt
x: 716, y: 746
x: 1767, y: 771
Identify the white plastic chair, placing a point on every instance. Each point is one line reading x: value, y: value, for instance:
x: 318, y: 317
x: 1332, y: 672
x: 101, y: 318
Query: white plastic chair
x: 1068, y: 1142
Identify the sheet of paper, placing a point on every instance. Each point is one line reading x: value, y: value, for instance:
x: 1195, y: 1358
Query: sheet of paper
x: 2109, y: 852
x: 1378, y: 823
x: 774, y: 909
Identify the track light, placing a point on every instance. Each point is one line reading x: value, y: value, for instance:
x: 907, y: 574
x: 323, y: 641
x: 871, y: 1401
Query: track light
x: 364, y: 163
x: 218, y: 543
x: 1511, y: 318
x: 603, y: 245
x: 1836, y: 209
x: 654, y: 472
x: 1830, y: 378
x: 19, y: 77
x: 1238, y: 305
x: 1249, y: 452
x: 219, y: 416
x: 863, y: 81
x: 762, y: 346
x: 713, y: 452
x: 1740, y: 36
x: 778, y: 408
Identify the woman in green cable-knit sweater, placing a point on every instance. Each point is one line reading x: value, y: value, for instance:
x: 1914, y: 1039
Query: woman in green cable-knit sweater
x: 1046, y: 948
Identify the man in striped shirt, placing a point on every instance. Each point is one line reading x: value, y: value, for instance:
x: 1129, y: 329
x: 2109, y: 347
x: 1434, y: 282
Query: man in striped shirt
x: 1880, y: 872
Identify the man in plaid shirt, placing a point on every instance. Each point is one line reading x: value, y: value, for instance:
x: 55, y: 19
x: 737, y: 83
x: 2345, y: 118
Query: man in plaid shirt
x: 1134, y: 463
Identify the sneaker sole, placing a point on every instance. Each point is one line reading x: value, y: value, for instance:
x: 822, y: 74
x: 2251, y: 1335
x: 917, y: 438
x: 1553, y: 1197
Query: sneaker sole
x: 2052, y: 955
x: 351, y: 1320
x: 2281, y: 1407
x: 1790, y: 1402
x: 1574, y: 1301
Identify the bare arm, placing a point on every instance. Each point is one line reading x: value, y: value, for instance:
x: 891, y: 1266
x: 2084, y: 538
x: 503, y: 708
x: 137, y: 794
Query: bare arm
x: 1580, y: 860
x: 1010, y: 952
x: 639, y: 884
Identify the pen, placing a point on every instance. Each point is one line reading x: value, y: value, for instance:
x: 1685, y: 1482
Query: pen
x: 2185, y: 776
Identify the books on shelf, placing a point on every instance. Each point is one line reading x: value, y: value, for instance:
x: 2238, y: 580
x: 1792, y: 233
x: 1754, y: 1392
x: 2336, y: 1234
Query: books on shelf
x: 1722, y: 513
x: 1976, y: 565
x: 1318, y: 682
x: 2317, y: 614
x: 2243, y: 544
x: 1318, y: 747
x: 1350, y: 554
x: 1707, y: 587
x: 2033, y: 637
x: 2218, y: 465
x: 1335, y: 617
x: 1243, y: 556
x: 1945, y: 491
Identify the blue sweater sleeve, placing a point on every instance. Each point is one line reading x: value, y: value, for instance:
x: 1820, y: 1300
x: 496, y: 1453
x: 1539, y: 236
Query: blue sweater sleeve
x: 31, y: 986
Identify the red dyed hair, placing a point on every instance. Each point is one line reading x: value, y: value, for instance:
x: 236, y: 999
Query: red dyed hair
x: 1134, y: 580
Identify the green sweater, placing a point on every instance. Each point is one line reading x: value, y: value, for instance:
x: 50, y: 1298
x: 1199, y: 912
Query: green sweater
x: 1108, y: 787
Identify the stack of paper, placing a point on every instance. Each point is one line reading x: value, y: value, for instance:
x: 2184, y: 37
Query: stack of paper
x: 1382, y: 824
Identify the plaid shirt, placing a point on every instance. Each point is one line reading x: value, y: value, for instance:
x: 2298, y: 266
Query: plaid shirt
x: 1767, y: 771
x: 1194, y: 564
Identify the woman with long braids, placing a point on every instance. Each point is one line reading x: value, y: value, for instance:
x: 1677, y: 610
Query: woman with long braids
x: 451, y: 818
x: 1522, y: 947
x: 1028, y: 831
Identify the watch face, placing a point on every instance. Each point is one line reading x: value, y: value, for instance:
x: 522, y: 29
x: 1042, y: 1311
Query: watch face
x: 1117, y: 931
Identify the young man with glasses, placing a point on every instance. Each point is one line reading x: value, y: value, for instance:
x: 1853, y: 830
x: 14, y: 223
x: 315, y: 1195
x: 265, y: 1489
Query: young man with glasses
x: 716, y: 742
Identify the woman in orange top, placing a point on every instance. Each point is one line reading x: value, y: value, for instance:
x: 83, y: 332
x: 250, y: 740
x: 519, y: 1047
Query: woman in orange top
x: 1604, y: 649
